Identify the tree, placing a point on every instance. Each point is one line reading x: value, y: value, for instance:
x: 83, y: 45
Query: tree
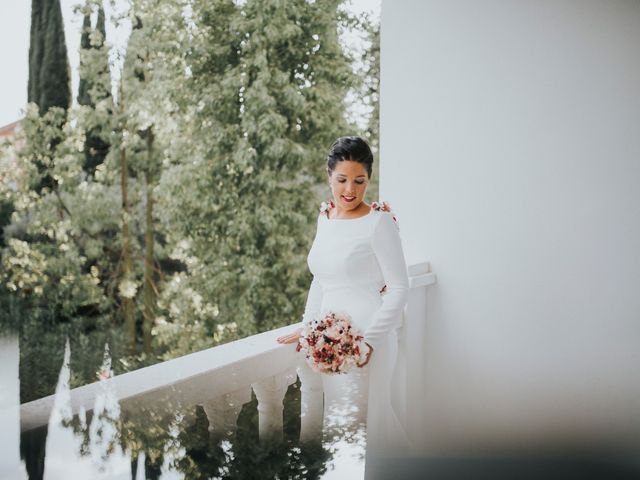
x: 265, y: 99
x: 85, y: 44
x: 94, y: 89
x: 49, y: 73
x: 194, y: 228
x: 127, y: 290
x: 152, y: 68
x: 36, y: 50
x: 49, y: 77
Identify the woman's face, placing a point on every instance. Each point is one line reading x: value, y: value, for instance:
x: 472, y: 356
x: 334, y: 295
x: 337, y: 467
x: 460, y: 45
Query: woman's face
x: 349, y: 183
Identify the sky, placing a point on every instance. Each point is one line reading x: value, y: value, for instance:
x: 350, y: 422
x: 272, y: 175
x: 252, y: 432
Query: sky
x: 14, y: 35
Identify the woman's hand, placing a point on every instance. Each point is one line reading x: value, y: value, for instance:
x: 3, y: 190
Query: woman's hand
x: 368, y: 356
x: 290, y: 337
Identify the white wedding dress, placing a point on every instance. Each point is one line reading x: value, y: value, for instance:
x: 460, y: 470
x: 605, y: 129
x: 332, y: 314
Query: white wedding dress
x: 351, y: 261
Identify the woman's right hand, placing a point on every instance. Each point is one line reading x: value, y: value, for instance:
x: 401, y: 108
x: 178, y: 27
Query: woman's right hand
x: 290, y: 337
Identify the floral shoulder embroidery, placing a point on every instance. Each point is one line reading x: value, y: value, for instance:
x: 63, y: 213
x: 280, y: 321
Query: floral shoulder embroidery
x: 385, y: 207
x: 325, y: 207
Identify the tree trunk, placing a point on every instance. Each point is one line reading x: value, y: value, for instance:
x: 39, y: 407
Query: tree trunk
x: 127, y: 304
x: 149, y: 287
x: 129, y: 313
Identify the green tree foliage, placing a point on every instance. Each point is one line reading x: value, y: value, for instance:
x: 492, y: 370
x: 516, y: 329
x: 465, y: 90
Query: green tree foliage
x: 266, y: 97
x: 139, y: 77
x: 152, y: 72
x: 194, y: 227
x: 57, y: 264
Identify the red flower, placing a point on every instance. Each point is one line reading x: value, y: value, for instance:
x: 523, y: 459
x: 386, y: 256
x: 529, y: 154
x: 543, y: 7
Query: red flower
x: 384, y: 206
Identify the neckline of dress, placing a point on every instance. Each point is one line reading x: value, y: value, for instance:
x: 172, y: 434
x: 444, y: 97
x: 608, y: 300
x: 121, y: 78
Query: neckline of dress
x: 371, y: 209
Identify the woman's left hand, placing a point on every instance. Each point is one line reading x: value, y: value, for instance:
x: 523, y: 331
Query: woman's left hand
x: 368, y: 356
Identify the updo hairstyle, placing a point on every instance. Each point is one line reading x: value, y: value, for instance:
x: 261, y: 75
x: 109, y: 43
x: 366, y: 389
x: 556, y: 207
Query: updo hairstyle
x: 350, y: 148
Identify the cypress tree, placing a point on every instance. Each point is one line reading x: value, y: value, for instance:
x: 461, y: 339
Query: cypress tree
x: 97, y: 143
x: 101, y: 45
x: 100, y: 25
x: 85, y: 44
x: 51, y: 86
x: 48, y: 84
x: 95, y: 86
x: 36, y: 49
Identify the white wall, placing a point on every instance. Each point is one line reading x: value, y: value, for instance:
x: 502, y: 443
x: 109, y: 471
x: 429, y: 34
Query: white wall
x: 510, y: 149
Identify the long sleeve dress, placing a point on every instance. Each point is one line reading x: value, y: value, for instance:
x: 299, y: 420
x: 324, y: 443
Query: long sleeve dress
x: 359, y: 268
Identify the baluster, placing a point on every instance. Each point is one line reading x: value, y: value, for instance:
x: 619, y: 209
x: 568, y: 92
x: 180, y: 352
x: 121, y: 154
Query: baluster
x: 270, y: 393
x: 222, y: 411
x: 312, y: 403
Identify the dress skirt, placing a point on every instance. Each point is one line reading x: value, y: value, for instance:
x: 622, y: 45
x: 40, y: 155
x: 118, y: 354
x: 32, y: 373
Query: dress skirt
x: 359, y: 403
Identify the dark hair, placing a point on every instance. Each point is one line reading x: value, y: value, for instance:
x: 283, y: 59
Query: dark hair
x: 350, y: 148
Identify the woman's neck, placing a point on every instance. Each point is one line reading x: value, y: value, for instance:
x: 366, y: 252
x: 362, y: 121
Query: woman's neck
x: 361, y: 209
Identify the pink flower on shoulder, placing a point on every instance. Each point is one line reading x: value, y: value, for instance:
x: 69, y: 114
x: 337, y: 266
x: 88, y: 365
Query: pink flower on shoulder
x: 383, y: 207
x: 325, y: 207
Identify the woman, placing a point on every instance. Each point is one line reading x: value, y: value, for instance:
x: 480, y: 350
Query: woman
x: 358, y: 267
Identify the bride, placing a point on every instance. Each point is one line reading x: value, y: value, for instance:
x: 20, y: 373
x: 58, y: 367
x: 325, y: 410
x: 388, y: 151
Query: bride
x: 358, y: 267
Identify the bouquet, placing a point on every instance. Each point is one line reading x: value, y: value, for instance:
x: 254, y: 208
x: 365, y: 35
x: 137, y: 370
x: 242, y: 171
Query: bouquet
x: 332, y: 344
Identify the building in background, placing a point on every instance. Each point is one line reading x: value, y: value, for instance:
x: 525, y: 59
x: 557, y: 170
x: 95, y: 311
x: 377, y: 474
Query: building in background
x: 9, y: 131
x: 10, y: 143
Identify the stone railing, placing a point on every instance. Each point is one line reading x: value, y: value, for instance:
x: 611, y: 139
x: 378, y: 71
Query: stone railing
x: 221, y: 378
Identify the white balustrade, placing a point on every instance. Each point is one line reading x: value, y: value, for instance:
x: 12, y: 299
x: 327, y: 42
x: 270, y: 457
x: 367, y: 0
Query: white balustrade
x: 220, y: 379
